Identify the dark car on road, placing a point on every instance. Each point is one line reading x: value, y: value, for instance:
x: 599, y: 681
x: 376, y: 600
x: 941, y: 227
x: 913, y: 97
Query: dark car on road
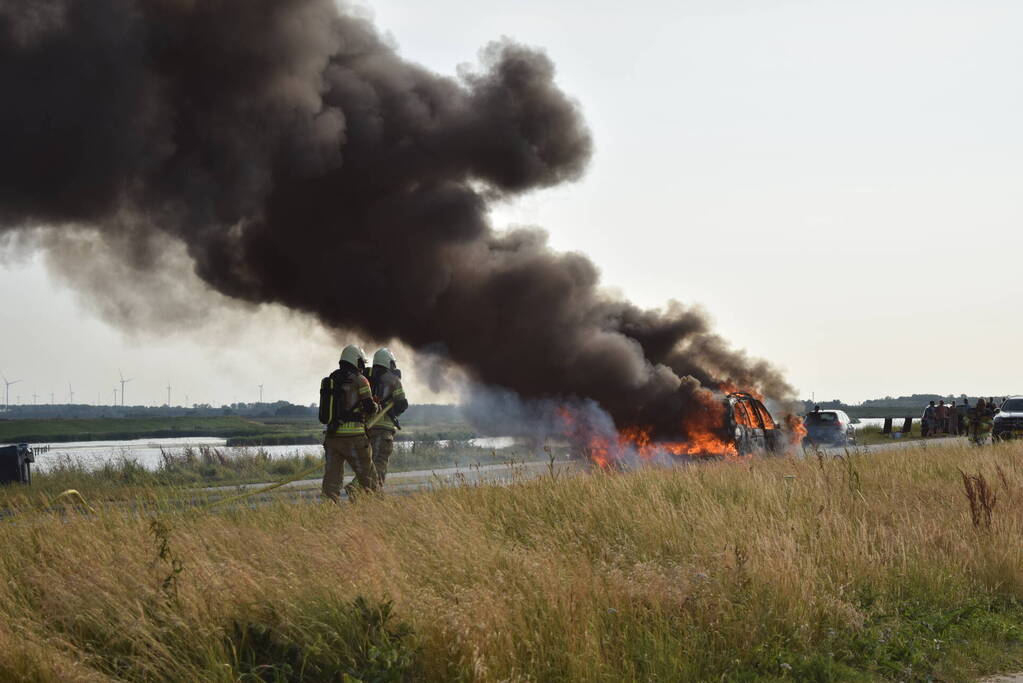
x: 1008, y: 422
x: 752, y: 426
x: 828, y: 428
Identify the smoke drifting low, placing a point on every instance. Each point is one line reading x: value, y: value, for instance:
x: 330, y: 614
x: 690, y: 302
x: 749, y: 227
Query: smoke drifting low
x: 302, y: 162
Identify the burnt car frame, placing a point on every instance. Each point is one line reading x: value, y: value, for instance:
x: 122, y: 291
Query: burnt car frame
x: 751, y: 427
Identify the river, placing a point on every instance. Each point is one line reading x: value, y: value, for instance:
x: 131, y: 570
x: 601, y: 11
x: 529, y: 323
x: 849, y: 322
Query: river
x: 149, y: 452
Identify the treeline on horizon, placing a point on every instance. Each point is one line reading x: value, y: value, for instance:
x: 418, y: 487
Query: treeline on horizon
x: 902, y: 406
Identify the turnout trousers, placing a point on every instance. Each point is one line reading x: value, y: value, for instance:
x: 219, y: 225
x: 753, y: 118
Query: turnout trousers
x: 382, y: 442
x: 354, y: 450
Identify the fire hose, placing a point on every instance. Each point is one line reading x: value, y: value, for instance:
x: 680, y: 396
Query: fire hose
x: 370, y: 423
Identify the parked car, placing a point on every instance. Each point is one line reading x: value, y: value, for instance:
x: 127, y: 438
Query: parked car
x: 1008, y: 422
x: 828, y: 428
x: 752, y: 426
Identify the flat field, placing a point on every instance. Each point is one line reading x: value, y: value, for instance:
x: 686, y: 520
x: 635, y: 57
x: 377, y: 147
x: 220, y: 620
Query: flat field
x: 110, y: 429
x: 900, y: 565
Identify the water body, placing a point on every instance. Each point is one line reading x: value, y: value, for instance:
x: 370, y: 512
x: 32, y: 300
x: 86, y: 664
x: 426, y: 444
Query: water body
x: 149, y: 452
x: 879, y: 422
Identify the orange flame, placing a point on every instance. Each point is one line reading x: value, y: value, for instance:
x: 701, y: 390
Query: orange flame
x: 796, y: 429
x: 732, y: 388
x: 702, y: 430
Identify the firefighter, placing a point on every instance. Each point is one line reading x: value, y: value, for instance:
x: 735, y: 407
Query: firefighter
x: 981, y: 422
x: 385, y: 380
x: 346, y: 402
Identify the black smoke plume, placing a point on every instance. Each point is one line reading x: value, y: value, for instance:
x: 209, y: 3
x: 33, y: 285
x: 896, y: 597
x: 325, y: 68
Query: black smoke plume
x: 302, y: 162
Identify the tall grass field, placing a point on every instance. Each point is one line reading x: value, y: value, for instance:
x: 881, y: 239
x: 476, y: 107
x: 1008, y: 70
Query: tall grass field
x: 899, y: 565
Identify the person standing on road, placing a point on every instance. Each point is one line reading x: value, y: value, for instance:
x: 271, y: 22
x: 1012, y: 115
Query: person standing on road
x: 927, y: 421
x: 981, y: 422
x: 964, y: 417
x: 346, y: 402
x: 940, y: 416
x: 385, y: 381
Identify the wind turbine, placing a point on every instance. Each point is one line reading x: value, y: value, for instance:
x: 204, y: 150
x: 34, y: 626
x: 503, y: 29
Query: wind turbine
x: 71, y: 395
x: 168, y: 394
x: 7, y: 391
x: 260, y: 393
x: 123, y: 382
x: 115, y: 397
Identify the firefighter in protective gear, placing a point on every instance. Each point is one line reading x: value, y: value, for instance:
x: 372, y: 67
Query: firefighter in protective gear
x: 981, y: 422
x: 346, y: 402
x: 385, y: 380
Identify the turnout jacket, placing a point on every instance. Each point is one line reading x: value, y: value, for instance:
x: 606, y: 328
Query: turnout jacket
x: 386, y: 387
x: 346, y: 402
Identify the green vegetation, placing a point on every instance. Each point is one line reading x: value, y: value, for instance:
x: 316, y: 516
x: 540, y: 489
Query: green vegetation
x: 898, y: 566
x: 110, y: 429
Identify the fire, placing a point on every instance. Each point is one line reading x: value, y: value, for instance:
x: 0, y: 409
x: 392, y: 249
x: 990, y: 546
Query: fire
x: 732, y: 388
x: 796, y: 429
x: 705, y: 432
x: 607, y: 447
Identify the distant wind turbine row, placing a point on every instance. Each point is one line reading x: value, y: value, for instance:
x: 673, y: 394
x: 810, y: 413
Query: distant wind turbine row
x: 71, y: 393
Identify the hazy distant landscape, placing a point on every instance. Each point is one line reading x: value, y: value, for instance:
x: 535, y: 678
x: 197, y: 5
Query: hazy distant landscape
x: 241, y: 426
x: 254, y: 424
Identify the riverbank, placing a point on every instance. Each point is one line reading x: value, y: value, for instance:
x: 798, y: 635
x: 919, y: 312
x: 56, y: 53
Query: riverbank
x: 854, y: 568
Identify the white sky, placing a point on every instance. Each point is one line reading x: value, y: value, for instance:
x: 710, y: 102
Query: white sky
x: 837, y: 183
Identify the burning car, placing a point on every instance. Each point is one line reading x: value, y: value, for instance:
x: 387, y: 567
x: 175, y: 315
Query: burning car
x: 751, y: 426
x: 732, y: 424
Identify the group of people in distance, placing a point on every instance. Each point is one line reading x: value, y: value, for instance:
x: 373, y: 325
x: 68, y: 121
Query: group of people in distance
x: 975, y: 421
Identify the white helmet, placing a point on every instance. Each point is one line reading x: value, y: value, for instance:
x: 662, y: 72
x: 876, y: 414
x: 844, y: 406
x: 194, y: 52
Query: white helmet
x: 354, y: 355
x: 384, y: 357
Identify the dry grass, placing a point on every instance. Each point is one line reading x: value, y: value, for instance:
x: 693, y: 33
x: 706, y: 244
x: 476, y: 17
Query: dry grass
x: 839, y: 569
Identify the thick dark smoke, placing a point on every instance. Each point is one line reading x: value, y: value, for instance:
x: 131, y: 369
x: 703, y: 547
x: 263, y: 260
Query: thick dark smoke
x: 302, y: 162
